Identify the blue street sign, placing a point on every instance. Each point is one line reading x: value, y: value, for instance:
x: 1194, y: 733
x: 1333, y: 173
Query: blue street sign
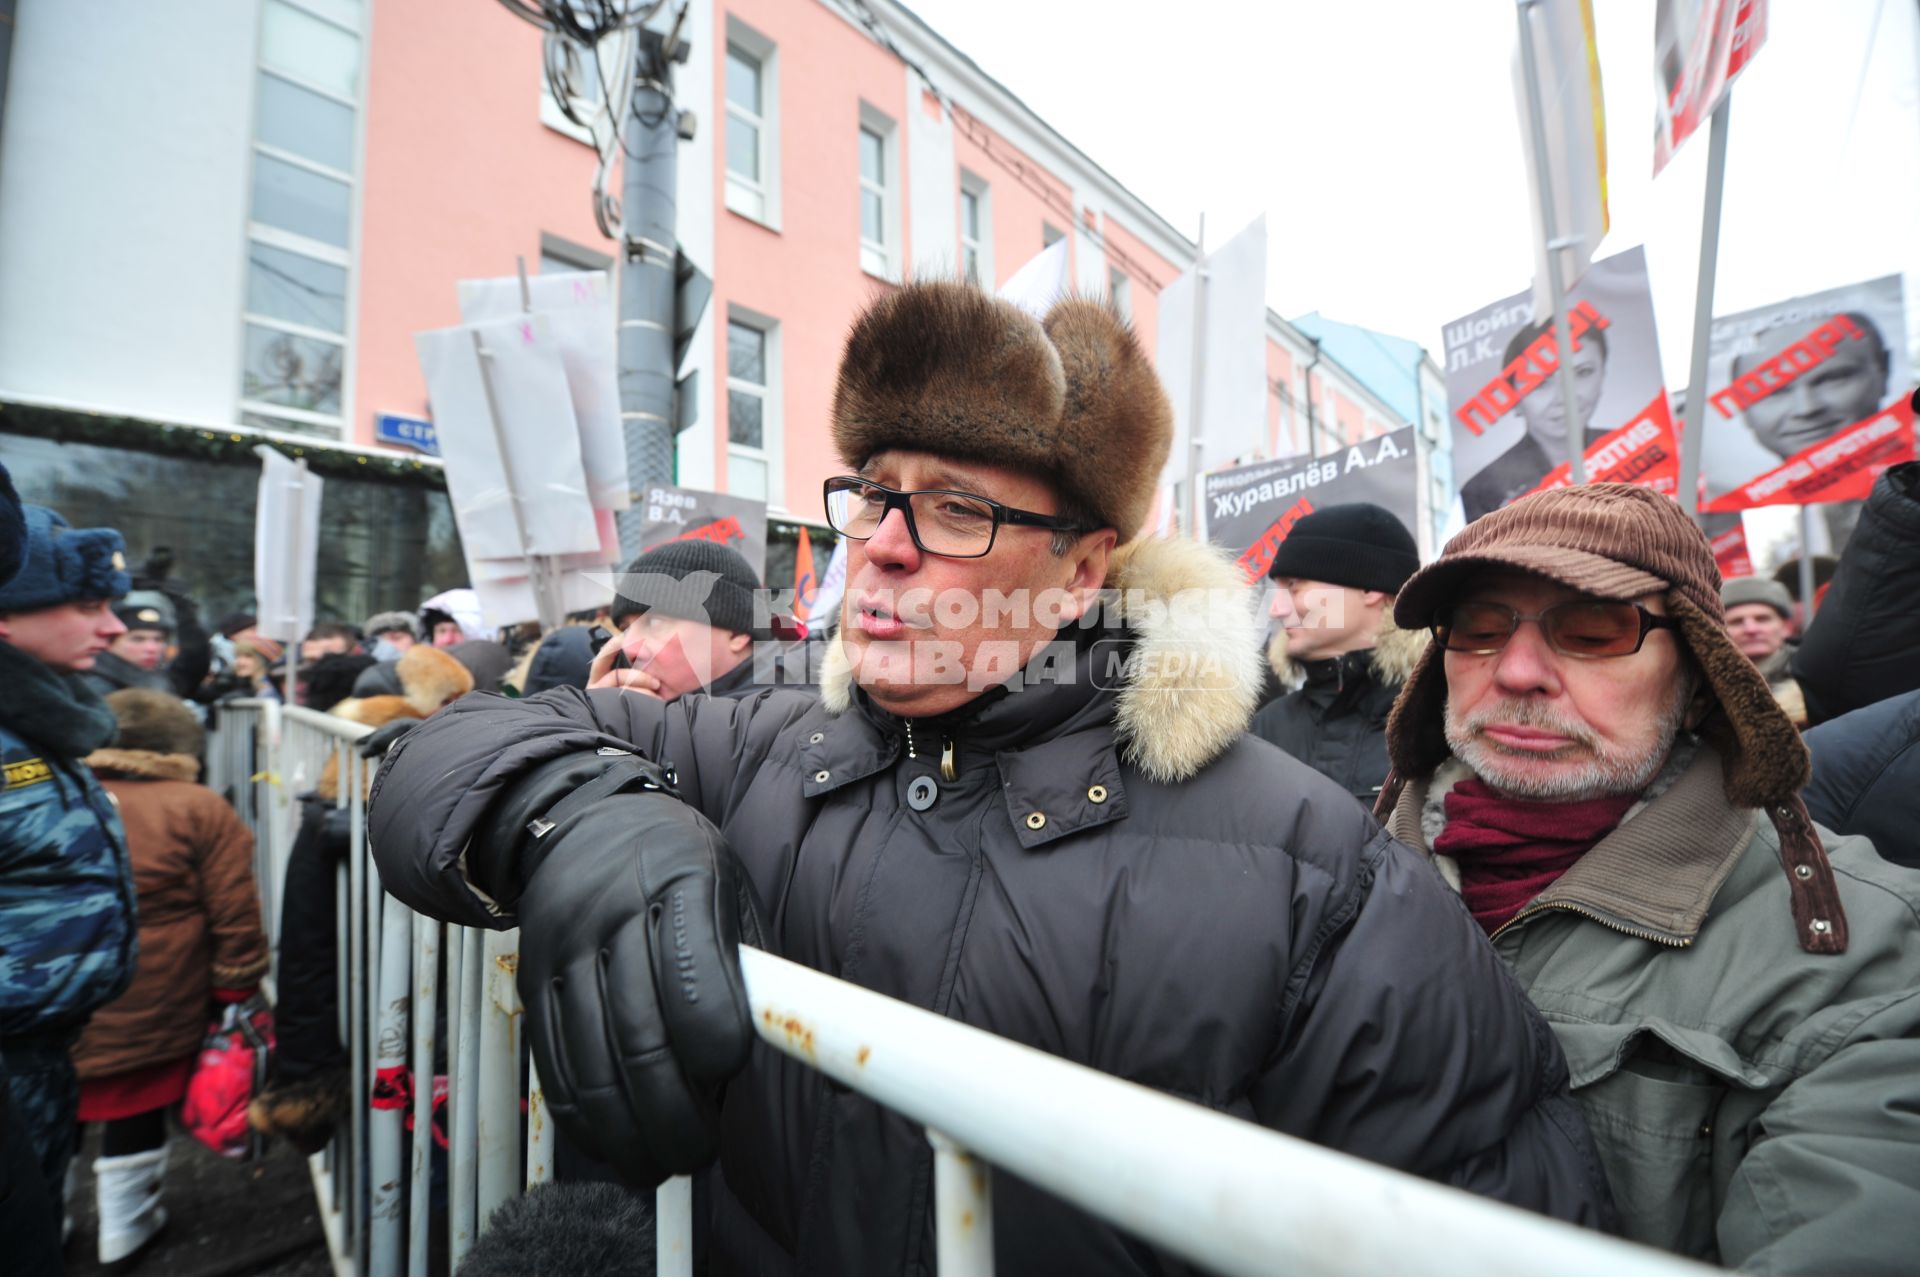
x: 407, y: 432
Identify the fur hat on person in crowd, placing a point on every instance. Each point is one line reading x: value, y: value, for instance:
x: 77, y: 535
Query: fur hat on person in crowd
x: 387, y: 622
x: 694, y: 580
x: 1358, y: 544
x: 431, y: 678
x: 944, y: 367
x: 156, y: 722
x: 1619, y: 541
x: 60, y: 563
x: 1757, y: 589
x: 13, y: 529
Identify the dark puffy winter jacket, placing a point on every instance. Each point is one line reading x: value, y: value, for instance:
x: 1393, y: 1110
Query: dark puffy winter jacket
x: 1866, y: 776
x: 1862, y: 644
x: 1117, y: 875
x: 1336, y: 721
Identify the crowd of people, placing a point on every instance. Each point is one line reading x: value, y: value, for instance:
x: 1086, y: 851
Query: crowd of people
x: 1556, y: 869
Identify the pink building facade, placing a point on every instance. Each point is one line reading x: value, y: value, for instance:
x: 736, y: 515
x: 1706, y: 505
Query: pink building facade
x: 317, y: 175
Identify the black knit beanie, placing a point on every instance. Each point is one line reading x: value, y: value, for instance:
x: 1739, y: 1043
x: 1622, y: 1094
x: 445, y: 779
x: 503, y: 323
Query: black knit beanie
x: 694, y: 580
x: 1360, y: 545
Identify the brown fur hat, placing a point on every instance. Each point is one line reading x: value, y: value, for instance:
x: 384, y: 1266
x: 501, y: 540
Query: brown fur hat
x: 1611, y: 540
x: 944, y: 367
x: 432, y: 678
x: 156, y: 722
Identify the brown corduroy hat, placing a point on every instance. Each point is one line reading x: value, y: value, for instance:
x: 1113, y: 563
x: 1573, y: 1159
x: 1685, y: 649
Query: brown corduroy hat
x: 944, y: 367
x: 1618, y: 541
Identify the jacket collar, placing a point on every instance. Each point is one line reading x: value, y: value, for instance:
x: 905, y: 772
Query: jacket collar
x: 1656, y: 874
x: 56, y: 711
x: 144, y: 764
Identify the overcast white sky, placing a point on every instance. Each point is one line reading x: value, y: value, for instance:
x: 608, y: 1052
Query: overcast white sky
x: 1381, y: 139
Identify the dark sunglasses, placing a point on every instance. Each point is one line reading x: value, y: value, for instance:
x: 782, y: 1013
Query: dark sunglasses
x: 1587, y: 629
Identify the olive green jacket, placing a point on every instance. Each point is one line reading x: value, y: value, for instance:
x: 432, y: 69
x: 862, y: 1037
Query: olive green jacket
x: 1755, y: 1105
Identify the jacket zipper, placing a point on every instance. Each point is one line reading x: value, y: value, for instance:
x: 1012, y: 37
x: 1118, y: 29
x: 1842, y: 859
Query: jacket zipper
x: 1637, y: 933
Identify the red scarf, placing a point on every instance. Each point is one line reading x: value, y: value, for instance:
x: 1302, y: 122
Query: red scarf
x: 1510, y: 850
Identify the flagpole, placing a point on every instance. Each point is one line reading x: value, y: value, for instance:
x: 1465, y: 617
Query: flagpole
x: 1196, y: 394
x: 1694, y: 426
x: 1549, y: 228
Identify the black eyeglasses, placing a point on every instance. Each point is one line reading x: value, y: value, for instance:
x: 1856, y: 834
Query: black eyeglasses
x: 954, y: 525
x: 1588, y: 629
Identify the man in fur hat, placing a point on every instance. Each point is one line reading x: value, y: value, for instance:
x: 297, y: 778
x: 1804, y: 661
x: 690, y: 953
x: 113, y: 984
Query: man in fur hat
x: 1020, y: 800
x: 1334, y: 580
x: 66, y: 888
x: 1615, y: 793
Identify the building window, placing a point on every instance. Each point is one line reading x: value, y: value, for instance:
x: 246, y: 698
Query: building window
x: 753, y: 409
x: 1120, y: 292
x: 558, y: 256
x: 296, y: 322
x: 1050, y: 235
x: 879, y: 195
x: 976, y: 231
x: 752, y: 150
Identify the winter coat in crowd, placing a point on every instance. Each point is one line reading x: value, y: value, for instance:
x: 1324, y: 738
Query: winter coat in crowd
x: 1336, y: 721
x: 199, y: 914
x: 66, y: 889
x: 1737, y: 990
x: 1101, y: 865
x: 1866, y: 776
x: 1861, y: 646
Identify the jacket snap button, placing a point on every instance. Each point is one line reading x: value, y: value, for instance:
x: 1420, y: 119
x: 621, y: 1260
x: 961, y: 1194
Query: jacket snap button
x: 816, y: 738
x: 921, y: 792
x: 1803, y: 872
x: 1820, y: 926
x: 1037, y: 820
x: 821, y: 777
x: 1097, y: 794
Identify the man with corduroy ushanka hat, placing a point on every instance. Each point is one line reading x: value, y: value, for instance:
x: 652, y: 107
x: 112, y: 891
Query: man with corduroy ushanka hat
x: 1023, y: 798
x: 1615, y: 793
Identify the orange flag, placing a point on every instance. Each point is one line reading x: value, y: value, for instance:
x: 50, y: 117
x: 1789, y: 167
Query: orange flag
x: 805, y: 582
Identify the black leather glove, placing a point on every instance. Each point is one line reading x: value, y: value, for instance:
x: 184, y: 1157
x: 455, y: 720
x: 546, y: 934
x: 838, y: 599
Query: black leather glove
x: 376, y: 742
x: 631, y: 912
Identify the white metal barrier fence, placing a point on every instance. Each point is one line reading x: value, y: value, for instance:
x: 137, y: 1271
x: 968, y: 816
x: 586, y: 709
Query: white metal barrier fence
x: 1226, y: 1194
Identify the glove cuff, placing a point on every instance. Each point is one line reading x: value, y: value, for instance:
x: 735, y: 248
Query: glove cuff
x: 502, y: 859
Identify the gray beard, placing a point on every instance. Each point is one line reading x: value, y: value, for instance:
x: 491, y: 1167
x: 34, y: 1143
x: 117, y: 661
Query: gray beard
x: 1606, y: 773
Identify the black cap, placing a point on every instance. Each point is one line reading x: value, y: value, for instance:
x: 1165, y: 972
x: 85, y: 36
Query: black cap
x: 694, y: 580
x: 1359, y: 545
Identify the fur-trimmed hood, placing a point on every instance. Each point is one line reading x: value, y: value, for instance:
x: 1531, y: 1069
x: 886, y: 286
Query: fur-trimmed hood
x: 1171, y: 721
x: 144, y: 764
x: 1394, y: 655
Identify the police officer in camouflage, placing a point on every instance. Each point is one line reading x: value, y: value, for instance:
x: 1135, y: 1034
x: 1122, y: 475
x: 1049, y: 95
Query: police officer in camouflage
x: 66, y: 885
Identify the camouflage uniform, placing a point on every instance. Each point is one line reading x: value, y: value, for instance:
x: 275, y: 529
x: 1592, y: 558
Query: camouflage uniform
x: 67, y: 930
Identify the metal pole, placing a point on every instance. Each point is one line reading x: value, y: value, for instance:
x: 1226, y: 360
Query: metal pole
x: 1549, y: 227
x: 648, y: 218
x: 1806, y: 563
x: 1196, y: 383
x: 673, y: 1228
x: 962, y: 1209
x: 1691, y: 432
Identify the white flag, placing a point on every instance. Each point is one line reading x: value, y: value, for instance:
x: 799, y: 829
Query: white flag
x: 1575, y: 124
x: 286, y: 546
x: 1036, y: 286
x: 1230, y: 343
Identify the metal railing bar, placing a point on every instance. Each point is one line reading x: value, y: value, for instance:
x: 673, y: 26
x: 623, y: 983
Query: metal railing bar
x: 1226, y: 1194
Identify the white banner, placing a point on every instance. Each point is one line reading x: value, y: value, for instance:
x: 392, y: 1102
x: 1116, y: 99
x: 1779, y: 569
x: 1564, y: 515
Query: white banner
x: 522, y: 380
x: 1232, y: 350
x: 579, y: 306
x: 286, y: 546
x: 1575, y: 124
